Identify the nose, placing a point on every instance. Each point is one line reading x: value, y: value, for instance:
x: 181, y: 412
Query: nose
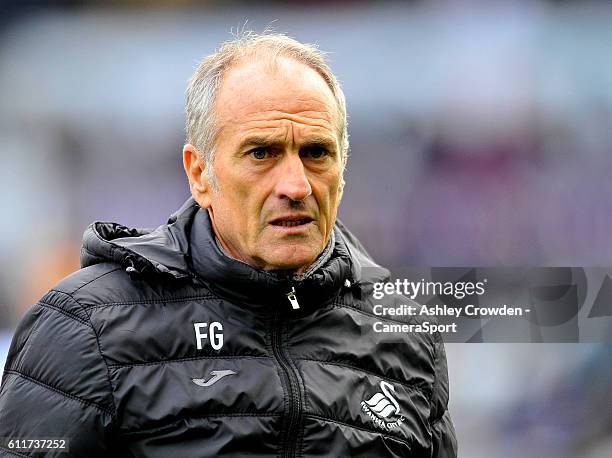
x: 292, y: 181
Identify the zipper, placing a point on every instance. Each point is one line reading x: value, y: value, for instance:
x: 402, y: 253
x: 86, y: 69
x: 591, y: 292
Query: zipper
x: 293, y: 388
x: 293, y: 299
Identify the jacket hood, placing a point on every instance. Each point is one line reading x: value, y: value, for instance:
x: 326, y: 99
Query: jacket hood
x: 185, y: 248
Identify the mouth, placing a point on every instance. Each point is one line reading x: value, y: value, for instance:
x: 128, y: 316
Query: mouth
x: 292, y: 221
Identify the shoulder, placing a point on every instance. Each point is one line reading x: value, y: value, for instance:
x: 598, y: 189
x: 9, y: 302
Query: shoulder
x: 78, y: 288
x: 60, y: 317
x: 107, y: 284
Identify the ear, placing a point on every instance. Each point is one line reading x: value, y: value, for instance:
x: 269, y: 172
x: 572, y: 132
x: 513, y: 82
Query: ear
x: 197, y: 176
x: 344, y: 160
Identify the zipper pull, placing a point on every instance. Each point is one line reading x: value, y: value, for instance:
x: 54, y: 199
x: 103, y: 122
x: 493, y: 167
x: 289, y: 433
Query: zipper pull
x: 292, y: 299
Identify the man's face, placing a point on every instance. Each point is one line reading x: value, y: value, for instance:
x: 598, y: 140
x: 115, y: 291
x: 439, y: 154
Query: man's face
x: 277, y: 164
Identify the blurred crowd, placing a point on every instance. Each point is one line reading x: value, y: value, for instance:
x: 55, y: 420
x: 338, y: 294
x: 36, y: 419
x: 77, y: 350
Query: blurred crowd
x: 481, y: 134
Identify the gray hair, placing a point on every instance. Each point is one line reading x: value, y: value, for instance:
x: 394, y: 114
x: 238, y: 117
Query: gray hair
x: 204, y: 86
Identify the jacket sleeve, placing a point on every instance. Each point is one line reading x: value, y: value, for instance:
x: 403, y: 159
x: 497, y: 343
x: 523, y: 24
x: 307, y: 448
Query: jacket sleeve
x: 56, y: 383
x: 444, y: 441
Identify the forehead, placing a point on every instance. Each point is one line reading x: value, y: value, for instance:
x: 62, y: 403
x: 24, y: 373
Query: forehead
x: 274, y: 87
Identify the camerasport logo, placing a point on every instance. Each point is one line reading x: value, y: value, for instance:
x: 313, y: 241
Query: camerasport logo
x: 383, y: 409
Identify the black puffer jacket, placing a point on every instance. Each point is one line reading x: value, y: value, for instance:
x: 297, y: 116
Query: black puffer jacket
x: 162, y: 346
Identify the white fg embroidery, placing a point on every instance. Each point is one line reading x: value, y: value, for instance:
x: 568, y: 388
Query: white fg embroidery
x: 214, y: 335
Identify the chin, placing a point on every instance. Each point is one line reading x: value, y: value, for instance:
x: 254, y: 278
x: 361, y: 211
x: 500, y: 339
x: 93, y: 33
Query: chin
x: 292, y: 259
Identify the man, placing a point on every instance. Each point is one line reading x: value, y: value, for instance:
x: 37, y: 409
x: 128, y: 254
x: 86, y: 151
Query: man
x: 244, y: 325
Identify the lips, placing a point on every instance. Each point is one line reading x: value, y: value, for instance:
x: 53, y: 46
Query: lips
x: 291, y: 220
x: 291, y: 223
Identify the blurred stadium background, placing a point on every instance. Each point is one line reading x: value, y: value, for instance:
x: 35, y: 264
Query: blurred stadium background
x: 481, y: 134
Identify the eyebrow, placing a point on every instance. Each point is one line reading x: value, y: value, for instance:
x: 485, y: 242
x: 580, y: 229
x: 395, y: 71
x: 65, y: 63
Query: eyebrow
x: 316, y: 141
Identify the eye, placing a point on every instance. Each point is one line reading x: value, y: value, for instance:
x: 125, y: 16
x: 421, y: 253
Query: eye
x: 259, y: 153
x: 315, y: 152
